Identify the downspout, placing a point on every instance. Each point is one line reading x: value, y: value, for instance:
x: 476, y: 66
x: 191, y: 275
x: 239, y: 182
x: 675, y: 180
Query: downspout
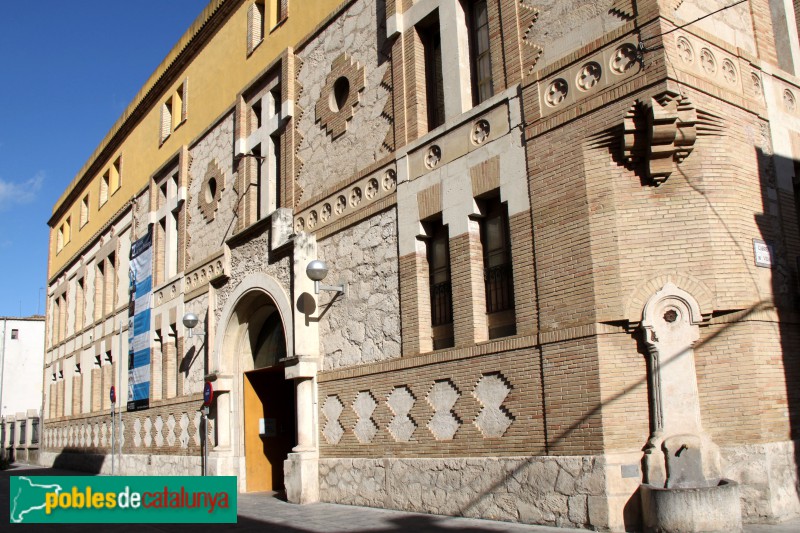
x: 2, y: 362
x: 2, y: 369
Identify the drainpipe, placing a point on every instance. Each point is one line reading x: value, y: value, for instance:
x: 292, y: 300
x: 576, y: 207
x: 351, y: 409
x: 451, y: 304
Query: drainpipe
x: 2, y: 361
x: 2, y: 368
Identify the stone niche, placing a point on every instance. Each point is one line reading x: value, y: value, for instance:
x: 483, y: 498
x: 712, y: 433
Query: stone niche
x: 683, y: 489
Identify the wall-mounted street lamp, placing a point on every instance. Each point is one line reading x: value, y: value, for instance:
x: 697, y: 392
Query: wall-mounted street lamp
x: 190, y: 320
x: 316, y: 272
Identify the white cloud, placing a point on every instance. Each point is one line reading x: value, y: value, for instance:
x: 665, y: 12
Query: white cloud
x: 20, y: 193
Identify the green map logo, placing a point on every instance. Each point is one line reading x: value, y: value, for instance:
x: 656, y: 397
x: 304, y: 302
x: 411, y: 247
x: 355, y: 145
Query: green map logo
x: 123, y: 499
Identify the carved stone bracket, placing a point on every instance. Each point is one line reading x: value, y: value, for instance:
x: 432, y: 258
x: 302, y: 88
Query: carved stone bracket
x: 660, y: 131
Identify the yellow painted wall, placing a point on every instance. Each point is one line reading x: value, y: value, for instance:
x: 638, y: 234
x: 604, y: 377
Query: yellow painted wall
x: 219, y: 72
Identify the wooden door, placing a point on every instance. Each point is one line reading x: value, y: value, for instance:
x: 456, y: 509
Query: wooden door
x: 268, y: 396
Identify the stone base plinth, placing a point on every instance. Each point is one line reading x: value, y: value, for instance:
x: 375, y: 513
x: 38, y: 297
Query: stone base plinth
x: 689, y: 510
x: 301, y: 477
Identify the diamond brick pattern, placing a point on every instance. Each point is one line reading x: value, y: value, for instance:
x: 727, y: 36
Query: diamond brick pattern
x: 442, y: 397
x: 491, y: 392
x: 333, y: 430
x: 184, y: 437
x: 364, y: 405
x: 196, y: 423
x: 402, y: 426
x: 148, y: 425
x: 171, y: 430
x: 159, y: 426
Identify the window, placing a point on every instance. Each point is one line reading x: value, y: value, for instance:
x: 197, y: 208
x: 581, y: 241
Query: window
x: 166, y: 120
x: 265, y: 125
x: 441, y: 291
x: 105, y: 182
x: 35, y: 431
x: 278, y: 12
x: 110, y: 182
x: 80, y: 298
x: 255, y: 25
x: 169, y: 210
x: 429, y: 35
x: 22, y: 432
x: 99, y: 284
x: 14, y: 334
x: 480, y: 60
x: 63, y: 237
x: 110, y: 284
x: 498, y: 273
x: 115, y: 176
x: 84, y: 210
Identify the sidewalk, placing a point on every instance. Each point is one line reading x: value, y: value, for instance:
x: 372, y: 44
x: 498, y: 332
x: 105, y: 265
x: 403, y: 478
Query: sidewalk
x: 265, y: 512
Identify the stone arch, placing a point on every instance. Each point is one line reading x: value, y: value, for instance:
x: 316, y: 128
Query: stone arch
x: 242, y: 303
x: 256, y: 300
x: 638, y: 298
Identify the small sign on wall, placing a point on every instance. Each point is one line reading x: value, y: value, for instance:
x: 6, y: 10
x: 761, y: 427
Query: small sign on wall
x: 763, y: 253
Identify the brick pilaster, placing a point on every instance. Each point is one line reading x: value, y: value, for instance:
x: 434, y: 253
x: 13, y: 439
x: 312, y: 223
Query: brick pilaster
x: 415, y: 305
x: 469, y: 290
x: 77, y: 394
x: 155, y: 369
x: 108, y: 380
x: 416, y: 101
x: 168, y: 368
x: 763, y: 31
x: 97, y: 384
x: 521, y: 235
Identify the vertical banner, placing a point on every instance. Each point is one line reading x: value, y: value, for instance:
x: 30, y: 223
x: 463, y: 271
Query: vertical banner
x: 141, y: 288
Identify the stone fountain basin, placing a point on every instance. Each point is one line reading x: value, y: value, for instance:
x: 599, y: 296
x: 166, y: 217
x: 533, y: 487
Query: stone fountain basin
x: 714, y: 508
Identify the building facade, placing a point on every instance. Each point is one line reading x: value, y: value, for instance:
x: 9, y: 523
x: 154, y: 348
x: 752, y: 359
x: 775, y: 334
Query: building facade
x: 21, y: 360
x: 562, y: 240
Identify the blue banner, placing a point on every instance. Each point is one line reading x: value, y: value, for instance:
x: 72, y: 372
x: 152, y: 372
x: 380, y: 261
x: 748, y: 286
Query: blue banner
x: 141, y: 275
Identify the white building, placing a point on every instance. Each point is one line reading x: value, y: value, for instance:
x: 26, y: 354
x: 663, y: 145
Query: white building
x: 21, y: 359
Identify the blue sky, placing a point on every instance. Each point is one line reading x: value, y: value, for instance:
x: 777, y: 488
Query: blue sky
x: 67, y: 72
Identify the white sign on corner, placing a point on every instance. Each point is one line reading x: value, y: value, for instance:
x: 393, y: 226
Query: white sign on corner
x: 763, y: 253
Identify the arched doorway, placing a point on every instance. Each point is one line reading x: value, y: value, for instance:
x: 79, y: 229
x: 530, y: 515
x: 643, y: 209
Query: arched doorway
x: 253, y: 351
x: 269, y: 404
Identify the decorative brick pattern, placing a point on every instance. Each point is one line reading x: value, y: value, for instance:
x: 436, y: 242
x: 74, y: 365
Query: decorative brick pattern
x: 364, y: 405
x: 332, y: 409
x: 442, y: 397
x: 211, y: 190
x: 402, y: 426
x: 491, y: 391
x: 339, y: 96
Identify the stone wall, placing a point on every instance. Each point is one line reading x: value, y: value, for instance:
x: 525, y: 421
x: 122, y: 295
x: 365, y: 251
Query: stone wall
x: 131, y: 465
x: 770, y: 484
x: 733, y: 25
x: 327, y: 162
x: 168, y: 427
x: 211, y: 156
x: 364, y: 326
x: 558, y: 491
x: 484, y: 401
x: 563, y: 26
x: 251, y: 256
x: 195, y: 363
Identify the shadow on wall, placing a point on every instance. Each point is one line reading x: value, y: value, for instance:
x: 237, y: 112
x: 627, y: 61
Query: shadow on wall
x: 76, y: 459
x: 779, y: 225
